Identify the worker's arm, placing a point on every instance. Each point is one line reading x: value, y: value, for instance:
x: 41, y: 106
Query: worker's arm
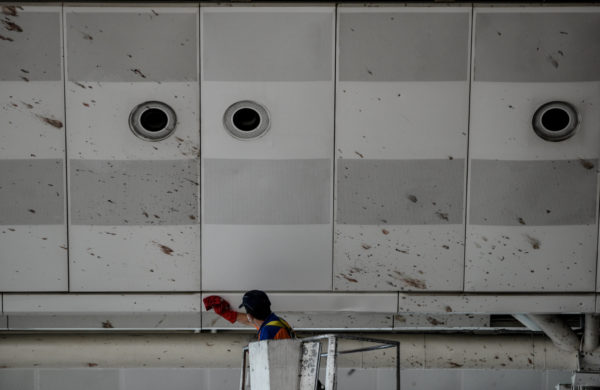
x: 243, y: 318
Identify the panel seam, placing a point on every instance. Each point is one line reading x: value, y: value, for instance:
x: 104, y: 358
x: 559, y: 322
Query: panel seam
x: 467, y: 161
x: 333, y: 171
x: 66, y: 170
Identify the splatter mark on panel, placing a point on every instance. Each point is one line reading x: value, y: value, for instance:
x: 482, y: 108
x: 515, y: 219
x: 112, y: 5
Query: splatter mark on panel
x: 52, y: 122
x: 553, y: 61
x: 11, y: 26
x: 10, y: 10
x: 441, y: 215
x: 434, y: 321
x: 92, y: 364
x: 535, y: 243
x: 2, y: 37
x: 107, y: 324
x: 165, y: 249
x: 348, y: 278
x: 366, y: 246
x: 416, y: 283
x: 412, y: 198
x: 359, y: 154
x: 139, y: 73
x: 521, y: 221
x: 587, y: 164
x: 385, y: 231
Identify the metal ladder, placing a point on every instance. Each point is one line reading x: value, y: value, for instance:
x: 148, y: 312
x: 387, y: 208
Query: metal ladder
x: 295, y: 364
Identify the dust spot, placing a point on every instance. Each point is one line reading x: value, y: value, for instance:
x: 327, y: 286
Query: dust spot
x: 107, y: 324
x: 401, y: 250
x: 369, y: 72
x: 87, y: 36
x: 139, y: 73
x: 450, y: 158
x: 359, y: 154
x: 3, y: 38
x: 535, y: 243
x: 521, y: 221
x: 351, y: 371
x: 564, y: 32
x: 441, y: 215
x: 11, y: 26
x: 561, y: 53
x: 446, y: 247
x: 366, y: 246
x: 587, y: 164
x: 154, y: 12
x: 146, y: 214
x: 412, y: 198
x: 385, y: 231
x: 24, y: 78
x: 79, y: 85
x: 32, y: 211
x: 24, y: 70
x: 52, y: 122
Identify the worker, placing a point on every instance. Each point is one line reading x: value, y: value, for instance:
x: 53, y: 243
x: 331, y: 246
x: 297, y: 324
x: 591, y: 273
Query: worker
x: 258, y: 313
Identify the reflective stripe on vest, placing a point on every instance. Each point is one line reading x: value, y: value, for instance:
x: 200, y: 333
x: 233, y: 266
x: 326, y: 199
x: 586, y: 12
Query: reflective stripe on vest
x: 282, y: 324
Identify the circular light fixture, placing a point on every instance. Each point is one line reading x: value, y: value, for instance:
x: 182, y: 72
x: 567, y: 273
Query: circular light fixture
x: 246, y: 120
x: 152, y: 121
x: 555, y: 121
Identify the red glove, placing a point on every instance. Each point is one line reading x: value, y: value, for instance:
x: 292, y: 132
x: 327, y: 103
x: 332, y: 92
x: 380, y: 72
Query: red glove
x: 221, y: 307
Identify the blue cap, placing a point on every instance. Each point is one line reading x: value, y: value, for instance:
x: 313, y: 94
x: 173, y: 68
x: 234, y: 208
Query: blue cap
x: 256, y: 303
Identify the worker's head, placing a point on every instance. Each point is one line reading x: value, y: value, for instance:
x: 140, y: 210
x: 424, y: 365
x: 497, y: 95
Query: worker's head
x: 257, y: 304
